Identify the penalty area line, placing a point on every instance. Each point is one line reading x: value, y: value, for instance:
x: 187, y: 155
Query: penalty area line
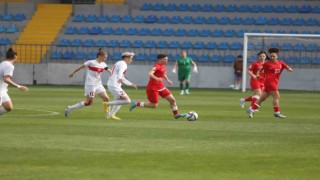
x: 45, y: 113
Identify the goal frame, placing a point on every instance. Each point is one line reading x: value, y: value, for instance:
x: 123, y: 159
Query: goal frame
x: 245, y: 50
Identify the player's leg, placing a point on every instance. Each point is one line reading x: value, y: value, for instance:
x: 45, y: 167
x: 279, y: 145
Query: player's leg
x: 166, y: 94
x: 257, y: 94
x: 121, y: 98
x: 182, y: 87
x: 276, y: 107
x: 188, y: 76
x: 153, y: 100
x: 257, y: 104
x: 181, y: 79
x: 7, y: 105
x: 102, y: 93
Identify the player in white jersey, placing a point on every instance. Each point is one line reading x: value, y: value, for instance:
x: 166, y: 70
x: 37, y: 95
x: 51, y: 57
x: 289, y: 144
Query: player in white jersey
x: 114, y: 85
x: 93, y: 84
x: 6, y: 73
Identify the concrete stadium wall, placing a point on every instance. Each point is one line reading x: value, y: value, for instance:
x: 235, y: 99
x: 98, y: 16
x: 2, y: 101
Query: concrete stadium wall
x: 208, y: 76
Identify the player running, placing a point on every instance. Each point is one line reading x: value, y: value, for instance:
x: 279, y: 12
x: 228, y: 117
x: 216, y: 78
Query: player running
x: 184, y: 71
x: 272, y: 70
x: 93, y: 84
x: 156, y: 87
x: 256, y: 83
x: 114, y: 85
x: 6, y: 73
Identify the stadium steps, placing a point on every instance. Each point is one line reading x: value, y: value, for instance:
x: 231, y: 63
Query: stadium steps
x: 119, y: 2
x: 41, y: 31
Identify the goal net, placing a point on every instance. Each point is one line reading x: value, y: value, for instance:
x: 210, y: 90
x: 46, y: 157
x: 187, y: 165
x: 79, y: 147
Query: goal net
x: 297, y: 50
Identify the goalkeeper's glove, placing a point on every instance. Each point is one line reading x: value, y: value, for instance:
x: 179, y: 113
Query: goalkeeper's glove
x: 174, y: 70
x: 195, y: 69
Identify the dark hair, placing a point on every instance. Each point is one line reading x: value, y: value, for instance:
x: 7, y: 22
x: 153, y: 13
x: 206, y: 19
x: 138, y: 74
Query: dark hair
x: 101, y: 52
x: 11, y: 53
x: 161, y: 56
x: 263, y: 52
x: 239, y: 56
x: 273, y: 50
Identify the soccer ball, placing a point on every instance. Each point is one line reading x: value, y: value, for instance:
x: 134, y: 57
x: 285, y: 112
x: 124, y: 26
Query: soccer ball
x: 192, y: 116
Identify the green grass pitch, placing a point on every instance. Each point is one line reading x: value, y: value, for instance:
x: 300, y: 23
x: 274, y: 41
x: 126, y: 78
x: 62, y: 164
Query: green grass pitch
x: 38, y: 142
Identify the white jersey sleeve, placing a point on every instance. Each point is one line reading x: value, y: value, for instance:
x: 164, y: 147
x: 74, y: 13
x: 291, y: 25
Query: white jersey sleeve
x: 6, y: 69
x: 118, y: 72
x: 93, y: 72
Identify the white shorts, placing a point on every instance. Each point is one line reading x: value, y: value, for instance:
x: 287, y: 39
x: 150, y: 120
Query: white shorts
x: 92, y: 90
x: 117, y: 92
x: 4, y: 97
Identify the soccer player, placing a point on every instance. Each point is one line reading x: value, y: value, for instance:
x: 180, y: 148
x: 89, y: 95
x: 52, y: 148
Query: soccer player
x: 114, y: 85
x: 272, y: 70
x: 93, y: 84
x: 6, y: 73
x: 156, y: 87
x: 256, y: 83
x: 184, y: 71
x: 237, y: 66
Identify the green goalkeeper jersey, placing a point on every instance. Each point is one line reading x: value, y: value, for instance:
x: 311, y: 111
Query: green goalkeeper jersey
x: 184, y: 65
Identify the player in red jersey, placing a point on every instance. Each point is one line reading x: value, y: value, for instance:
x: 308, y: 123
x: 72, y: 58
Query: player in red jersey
x: 272, y: 70
x: 156, y: 87
x: 256, y: 83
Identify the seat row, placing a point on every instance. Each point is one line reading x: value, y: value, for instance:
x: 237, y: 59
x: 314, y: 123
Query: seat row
x: 96, y: 30
x: 8, y: 29
x: 255, y: 8
x: 5, y: 41
x: 12, y: 17
x: 261, y: 20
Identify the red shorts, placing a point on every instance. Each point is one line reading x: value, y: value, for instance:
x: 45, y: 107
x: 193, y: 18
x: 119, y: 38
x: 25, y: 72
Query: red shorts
x: 257, y: 84
x: 153, y: 95
x: 270, y: 88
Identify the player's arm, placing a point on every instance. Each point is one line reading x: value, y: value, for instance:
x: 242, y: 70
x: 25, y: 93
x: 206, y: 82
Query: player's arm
x: 258, y: 72
x: 151, y: 74
x: 8, y: 80
x: 287, y: 67
x: 167, y: 79
x: 195, y: 69
x: 251, y: 74
x: 175, y: 67
x: 108, y: 70
x: 76, y: 70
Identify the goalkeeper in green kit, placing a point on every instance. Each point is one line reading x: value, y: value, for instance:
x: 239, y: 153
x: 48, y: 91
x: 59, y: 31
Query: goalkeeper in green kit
x: 184, y: 71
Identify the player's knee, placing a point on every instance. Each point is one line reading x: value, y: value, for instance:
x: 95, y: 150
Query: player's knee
x: 154, y: 105
x: 88, y: 103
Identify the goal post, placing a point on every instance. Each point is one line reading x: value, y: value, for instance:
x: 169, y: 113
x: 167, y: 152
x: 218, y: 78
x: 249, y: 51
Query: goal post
x: 292, y: 46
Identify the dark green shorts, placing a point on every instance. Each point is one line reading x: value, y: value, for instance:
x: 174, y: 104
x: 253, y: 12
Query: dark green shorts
x: 184, y: 76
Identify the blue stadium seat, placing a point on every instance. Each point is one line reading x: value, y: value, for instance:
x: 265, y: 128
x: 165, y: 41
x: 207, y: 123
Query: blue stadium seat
x: 192, y: 32
x: 261, y: 20
x: 223, y: 46
x: 163, y: 19
x: 168, y: 32
x: 236, y: 21
x: 19, y: 17
x: 293, y: 9
x: 112, y: 43
x: 286, y: 22
x: 76, y: 42
x: 251, y: 46
x: 316, y: 60
x: 293, y: 60
x: 316, y: 9
x: 107, y: 31
x: 236, y: 46
x: 153, y: 56
x: 115, y: 18
x: 305, y: 60
x: 317, y: 32
x: 88, y: 43
x: 312, y: 22
x: 124, y: 44
x: 138, y: 19
x: 312, y: 47
x: 274, y: 45
x: 183, y: 7
x: 71, y: 30
x: 156, y: 32
x: 95, y: 30
x: 146, y: 7
x: 137, y: 44
x: 151, y: 19
x: 174, y: 44
x: 127, y: 19
x: 83, y: 30
x: 198, y: 45
x: 150, y: 44
x: 193, y: 57
x: 64, y: 42
x: 158, y: 7
x: 293, y: 32
x: 260, y: 46
x: 207, y: 8
x: 219, y: 8
x: 103, y: 18
x: 224, y: 20
x: 255, y: 31
x: 144, y: 32
x: 92, y: 55
x: 231, y: 8
x: 217, y: 33
x: 80, y: 56
x: 299, y: 47
x: 7, y: 17
x: 91, y: 18
x: 241, y: 32
x: 2, y: 29
x: 186, y: 45
x: 79, y: 18
x: 252, y: 58
x: 195, y: 7
x: 205, y: 33
x: 162, y: 44
x: 230, y: 33
x: 180, y: 32
x: 211, y: 45
x: 170, y: 7
x: 249, y: 21
x: 243, y: 8
x: 204, y: 58
x: 306, y: 32
x: 212, y: 20
x: 305, y: 9
x: 229, y: 58
x: 11, y: 29
x: 175, y: 20
x: 119, y: 31
x: 101, y: 43
x: 132, y: 31
x: 280, y: 9
x: 141, y: 57
x: 255, y: 8
x: 187, y: 20
x: 281, y: 31
x: 116, y: 56
x: 217, y: 58
x: 268, y: 8
x: 56, y: 55
x: 67, y: 55
x: 274, y: 21
x: 199, y: 20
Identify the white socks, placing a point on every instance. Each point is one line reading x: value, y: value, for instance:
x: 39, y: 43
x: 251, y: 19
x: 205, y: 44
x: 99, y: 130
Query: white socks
x: 2, y: 110
x: 77, y: 106
x: 119, y: 102
x: 114, y: 110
